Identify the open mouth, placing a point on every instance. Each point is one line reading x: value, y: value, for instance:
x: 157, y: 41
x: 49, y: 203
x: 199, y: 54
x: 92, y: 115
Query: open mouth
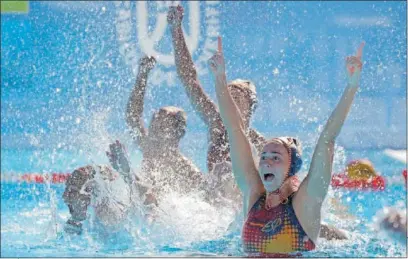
x: 269, y: 177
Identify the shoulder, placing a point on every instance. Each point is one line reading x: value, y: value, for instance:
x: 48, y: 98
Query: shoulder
x: 256, y: 200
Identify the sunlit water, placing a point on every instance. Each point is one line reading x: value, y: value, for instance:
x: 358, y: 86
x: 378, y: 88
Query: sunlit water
x: 33, y: 216
x: 66, y: 79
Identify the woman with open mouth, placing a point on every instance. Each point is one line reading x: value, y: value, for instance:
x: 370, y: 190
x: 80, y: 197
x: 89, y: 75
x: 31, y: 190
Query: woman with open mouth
x: 277, y: 226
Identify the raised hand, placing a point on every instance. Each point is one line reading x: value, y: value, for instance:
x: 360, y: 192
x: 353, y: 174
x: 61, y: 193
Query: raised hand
x: 147, y: 63
x: 354, y: 66
x: 175, y: 15
x: 118, y: 159
x: 216, y: 62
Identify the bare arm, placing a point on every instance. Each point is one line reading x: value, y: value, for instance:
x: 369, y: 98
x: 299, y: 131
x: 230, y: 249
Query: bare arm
x: 134, y: 112
x: 218, y: 150
x: 243, y: 164
x: 187, y: 72
x: 321, y: 165
x: 314, y: 188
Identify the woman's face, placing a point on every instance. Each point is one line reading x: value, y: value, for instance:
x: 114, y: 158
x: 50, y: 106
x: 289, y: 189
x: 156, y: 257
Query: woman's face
x: 273, y: 165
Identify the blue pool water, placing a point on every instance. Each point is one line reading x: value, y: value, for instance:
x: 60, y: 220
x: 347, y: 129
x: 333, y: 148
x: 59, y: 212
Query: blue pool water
x: 33, y: 216
x: 67, y: 70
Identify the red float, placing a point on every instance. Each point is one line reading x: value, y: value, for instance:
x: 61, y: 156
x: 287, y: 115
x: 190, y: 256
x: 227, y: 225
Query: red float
x: 376, y: 183
x: 55, y: 178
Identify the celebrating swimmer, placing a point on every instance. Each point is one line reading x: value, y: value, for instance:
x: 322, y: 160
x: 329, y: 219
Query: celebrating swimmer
x: 243, y: 93
x: 274, y: 225
x: 163, y: 165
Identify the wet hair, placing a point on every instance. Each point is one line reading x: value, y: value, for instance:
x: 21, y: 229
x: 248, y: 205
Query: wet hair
x: 294, y: 148
x: 248, y: 88
x: 174, y: 112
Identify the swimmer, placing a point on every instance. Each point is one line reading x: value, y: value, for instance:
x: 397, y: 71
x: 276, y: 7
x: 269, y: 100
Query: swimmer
x: 359, y: 174
x: 243, y: 92
x: 274, y: 226
x: 110, y: 190
x: 163, y: 164
x: 394, y: 221
x: 361, y: 169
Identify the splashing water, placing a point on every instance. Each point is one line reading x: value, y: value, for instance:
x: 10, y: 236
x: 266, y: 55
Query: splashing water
x: 67, y: 72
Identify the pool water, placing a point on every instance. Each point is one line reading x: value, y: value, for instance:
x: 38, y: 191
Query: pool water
x: 33, y: 216
x: 67, y: 71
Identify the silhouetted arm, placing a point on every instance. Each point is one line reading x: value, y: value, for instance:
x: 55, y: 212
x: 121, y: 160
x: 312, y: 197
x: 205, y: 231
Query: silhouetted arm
x: 186, y: 70
x: 134, y: 112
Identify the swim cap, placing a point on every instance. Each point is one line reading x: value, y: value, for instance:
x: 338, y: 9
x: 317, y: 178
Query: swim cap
x: 361, y: 169
x: 295, y: 153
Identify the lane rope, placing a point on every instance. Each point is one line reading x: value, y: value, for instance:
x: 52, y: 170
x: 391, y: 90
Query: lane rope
x: 60, y: 178
x: 55, y: 178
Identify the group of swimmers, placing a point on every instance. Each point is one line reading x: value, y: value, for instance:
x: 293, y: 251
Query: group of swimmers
x: 282, y: 214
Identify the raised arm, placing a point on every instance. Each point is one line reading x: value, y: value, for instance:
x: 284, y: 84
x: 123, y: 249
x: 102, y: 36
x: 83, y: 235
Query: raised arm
x: 134, y: 112
x: 187, y: 72
x: 321, y: 165
x: 243, y: 164
x: 218, y: 148
x: 308, y: 200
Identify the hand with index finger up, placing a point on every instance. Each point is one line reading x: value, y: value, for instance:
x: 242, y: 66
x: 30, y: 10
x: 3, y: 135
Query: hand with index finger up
x: 216, y: 62
x: 354, y: 66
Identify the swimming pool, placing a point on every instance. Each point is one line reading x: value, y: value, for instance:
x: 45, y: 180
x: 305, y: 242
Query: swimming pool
x: 33, y: 216
x: 67, y: 70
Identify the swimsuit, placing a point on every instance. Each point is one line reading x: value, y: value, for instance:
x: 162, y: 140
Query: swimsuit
x: 275, y: 231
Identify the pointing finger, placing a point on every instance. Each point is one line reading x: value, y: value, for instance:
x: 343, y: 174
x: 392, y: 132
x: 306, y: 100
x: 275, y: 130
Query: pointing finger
x: 360, y: 50
x: 219, y: 44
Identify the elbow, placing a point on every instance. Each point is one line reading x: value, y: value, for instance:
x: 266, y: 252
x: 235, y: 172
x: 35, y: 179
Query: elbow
x: 329, y: 133
x: 128, y: 115
x: 235, y: 127
x: 187, y: 76
x: 130, y: 118
x: 236, y: 132
x: 326, y: 143
x: 327, y: 138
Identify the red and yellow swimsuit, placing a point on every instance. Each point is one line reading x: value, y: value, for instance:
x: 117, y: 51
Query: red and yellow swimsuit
x: 275, y: 231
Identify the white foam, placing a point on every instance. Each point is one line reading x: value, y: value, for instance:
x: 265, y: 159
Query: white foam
x: 188, y: 218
